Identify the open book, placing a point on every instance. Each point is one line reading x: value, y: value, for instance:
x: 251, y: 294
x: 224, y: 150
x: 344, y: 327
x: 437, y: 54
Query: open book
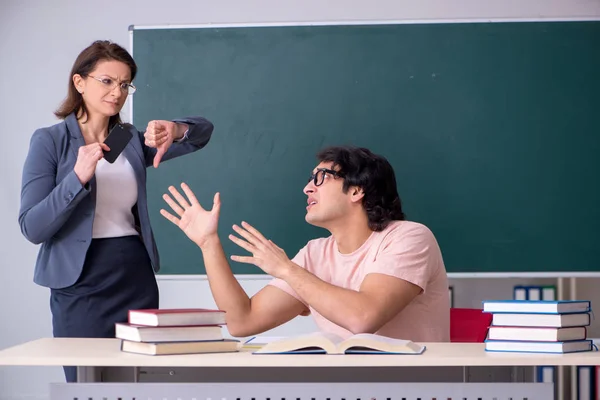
x: 328, y: 343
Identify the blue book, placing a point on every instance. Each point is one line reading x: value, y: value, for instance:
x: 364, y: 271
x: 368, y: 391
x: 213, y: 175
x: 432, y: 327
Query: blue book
x: 537, y: 306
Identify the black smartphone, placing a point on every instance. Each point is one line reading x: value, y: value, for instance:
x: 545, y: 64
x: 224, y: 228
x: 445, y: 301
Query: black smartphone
x: 117, y: 140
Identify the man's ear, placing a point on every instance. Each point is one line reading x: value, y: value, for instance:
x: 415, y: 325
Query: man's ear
x: 357, y: 194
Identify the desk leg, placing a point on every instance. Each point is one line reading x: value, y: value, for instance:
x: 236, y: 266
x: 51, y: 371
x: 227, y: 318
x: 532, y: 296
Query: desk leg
x: 88, y: 374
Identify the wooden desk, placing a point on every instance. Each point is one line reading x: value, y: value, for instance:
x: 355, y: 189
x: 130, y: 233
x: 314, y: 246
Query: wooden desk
x: 90, y: 355
x: 106, y: 352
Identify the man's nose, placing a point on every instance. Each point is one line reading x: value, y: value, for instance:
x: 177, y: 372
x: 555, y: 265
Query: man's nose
x: 309, y: 188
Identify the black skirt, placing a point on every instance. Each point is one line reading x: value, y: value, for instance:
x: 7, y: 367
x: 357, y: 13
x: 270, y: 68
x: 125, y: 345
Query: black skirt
x: 117, y: 276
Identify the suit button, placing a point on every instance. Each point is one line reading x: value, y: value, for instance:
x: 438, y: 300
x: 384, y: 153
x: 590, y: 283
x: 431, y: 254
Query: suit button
x: 81, y: 240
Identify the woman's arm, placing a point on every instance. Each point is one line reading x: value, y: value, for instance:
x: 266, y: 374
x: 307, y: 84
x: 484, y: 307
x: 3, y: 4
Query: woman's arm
x: 45, y: 204
x: 198, y: 134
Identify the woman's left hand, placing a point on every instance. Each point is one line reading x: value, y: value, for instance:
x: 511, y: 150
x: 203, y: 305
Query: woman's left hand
x: 160, y: 135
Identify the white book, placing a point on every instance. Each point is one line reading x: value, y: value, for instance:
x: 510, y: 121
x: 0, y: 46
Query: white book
x: 164, y: 348
x: 541, y: 320
x: 538, y: 347
x: 536, y: 306
x: 140, y: 333
x: 537, y: 334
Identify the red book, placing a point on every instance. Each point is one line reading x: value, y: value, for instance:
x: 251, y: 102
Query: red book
x: 177, y: 317
x: 469, y: 325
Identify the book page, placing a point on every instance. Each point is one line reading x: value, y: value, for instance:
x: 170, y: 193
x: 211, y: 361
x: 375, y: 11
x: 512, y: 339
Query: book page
x: 335, y: 339
x: 262, y: 340
x: 380, y: 339
x: 325, y: 340
x: 258, y: 342
x: 371, y: 343
x: 309, y: 342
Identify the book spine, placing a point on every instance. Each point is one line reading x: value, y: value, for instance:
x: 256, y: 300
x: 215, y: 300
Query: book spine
x: 534, y: 293
x: 546, y: 374
x: 549, y: 293
x: 519, y: 293
x: 585, y: 382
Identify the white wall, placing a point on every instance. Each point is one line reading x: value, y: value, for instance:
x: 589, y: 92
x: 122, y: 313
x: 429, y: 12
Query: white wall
x: 39, y: 41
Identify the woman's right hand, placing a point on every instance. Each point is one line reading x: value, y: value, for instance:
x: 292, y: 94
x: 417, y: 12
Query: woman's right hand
x: 87, y: 159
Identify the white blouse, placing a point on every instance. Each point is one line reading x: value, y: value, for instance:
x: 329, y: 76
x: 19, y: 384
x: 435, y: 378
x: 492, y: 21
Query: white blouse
x: 116, y: 194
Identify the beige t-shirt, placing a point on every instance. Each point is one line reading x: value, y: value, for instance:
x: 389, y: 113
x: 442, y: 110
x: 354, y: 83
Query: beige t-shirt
x: 405, y: 250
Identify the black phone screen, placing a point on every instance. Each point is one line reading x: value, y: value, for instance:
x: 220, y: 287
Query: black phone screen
x: 117, y: 140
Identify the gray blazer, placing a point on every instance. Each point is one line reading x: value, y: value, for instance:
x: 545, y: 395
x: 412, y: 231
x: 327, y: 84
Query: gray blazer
x: 58, y: 212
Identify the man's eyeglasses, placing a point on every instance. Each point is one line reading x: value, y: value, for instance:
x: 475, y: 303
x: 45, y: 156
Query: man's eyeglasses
x: 110, y: 84
x: 321, y: 173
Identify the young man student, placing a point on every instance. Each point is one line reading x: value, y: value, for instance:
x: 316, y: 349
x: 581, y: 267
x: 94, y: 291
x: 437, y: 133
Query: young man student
x: 376, y: 273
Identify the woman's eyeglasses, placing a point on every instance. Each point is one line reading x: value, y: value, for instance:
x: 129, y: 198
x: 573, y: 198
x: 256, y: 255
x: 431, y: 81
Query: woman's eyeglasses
x: 110, y: 84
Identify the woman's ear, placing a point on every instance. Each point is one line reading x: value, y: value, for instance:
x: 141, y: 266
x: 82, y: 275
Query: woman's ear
x: 78, y: 82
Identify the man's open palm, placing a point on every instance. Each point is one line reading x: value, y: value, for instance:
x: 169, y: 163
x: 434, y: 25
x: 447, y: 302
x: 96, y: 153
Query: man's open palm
x: 196, y: 222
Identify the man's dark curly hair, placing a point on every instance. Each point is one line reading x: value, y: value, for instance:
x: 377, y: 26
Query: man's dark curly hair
x: 374, y: 175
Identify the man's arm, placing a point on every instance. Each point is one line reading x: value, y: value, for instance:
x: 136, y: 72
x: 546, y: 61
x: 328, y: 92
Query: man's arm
x: 379, y: 299
x: 267, y: 309
x: 391, y: 282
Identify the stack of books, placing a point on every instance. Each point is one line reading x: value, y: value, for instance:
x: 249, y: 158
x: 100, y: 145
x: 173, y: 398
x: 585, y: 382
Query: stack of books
x: 174, y: 331
x: 538, y: 326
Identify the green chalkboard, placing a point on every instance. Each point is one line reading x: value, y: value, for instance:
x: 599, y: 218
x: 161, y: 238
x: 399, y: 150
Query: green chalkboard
x: 493, y: 130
